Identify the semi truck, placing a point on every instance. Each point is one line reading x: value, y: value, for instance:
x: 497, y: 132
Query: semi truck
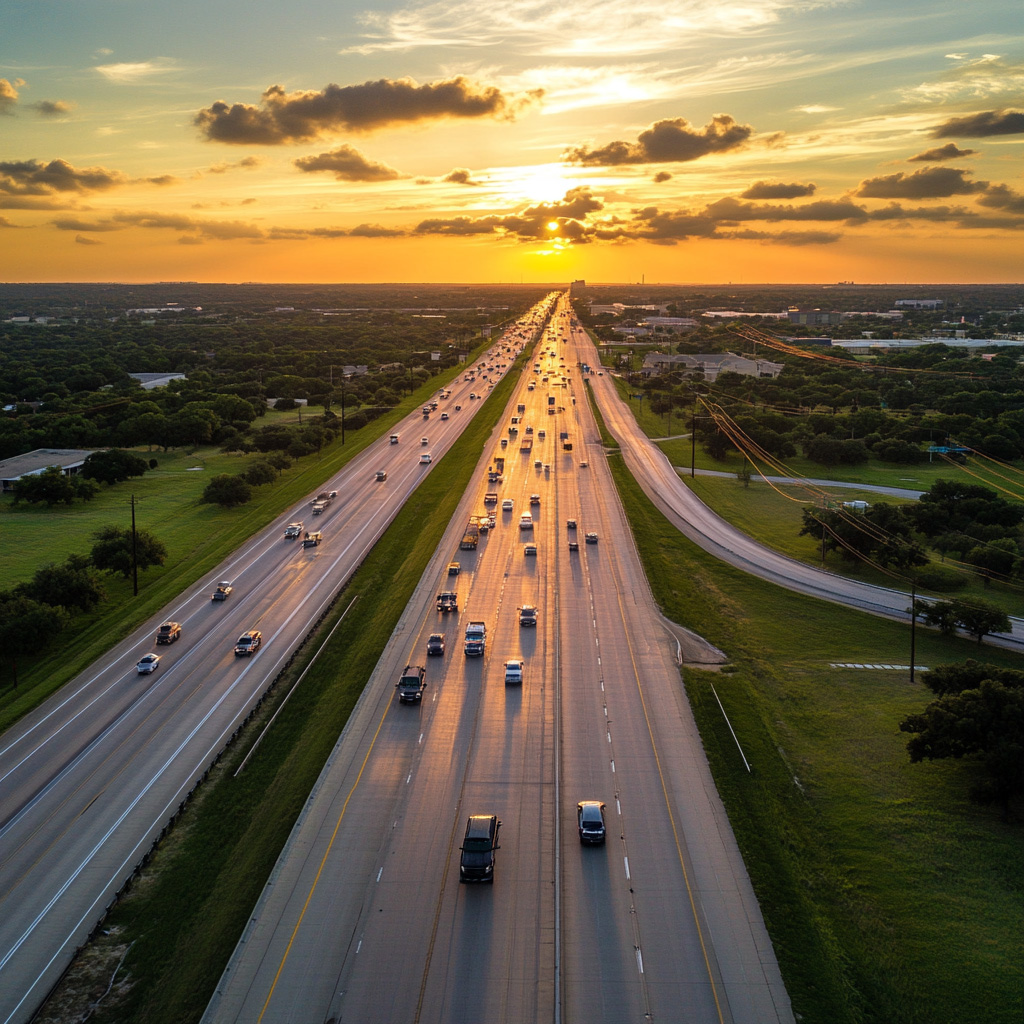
x: 526, y: 444
x: 476, y: 639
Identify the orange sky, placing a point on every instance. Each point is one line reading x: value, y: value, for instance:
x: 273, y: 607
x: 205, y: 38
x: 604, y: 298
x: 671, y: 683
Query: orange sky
x: 780, y: 140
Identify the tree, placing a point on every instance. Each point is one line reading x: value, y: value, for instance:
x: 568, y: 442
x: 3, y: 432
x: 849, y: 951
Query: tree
x: 112, y: 551
x: 952, y: 506
x: 968, y: 675
x: 73, y: 585
x: 260, y: 472
x: 52, y: 486
x: 995, y: 559
x: 227, y: 490
x: 113, y: 465
x: 977, y: 617
x: 27, y: 626
x: 986, y: 722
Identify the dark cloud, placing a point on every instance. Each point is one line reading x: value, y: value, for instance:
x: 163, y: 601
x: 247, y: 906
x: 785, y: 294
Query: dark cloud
x: 669, y: 226
x: 731, y: 209
x: 52, y: 108
x: 347, y: 164
x: 1002, y: 197
x: 670, y: 141
x: 794, y: 238
x: 284, y: 117
x: 661, y: 176
x: 5, y: 223
x: 982, y: 125
x: 940, y: 214
x: 32, y: 178
x: 457, y: 226
x: 30, y: 202
x: 82, y: 240
x: 927, y: 183
x: 460, y: 176
x: 375, y: 231
x: 8, y: 96
x: 224, y: 166
x: 778, y: 190
x: 75, y: 224
x: 950, y: 151
x: 162, y: 179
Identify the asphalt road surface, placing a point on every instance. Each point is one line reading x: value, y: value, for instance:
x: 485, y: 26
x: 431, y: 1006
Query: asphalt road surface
x: 90, y: 779
x: 661, y: 483
x: 364, y: 918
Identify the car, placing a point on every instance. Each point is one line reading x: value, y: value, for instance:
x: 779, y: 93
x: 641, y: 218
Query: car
x: 435, y: 643
x: 381, y: 475
x: 538, y: 464
x: 472, y: 395
x: 570, y: 524
x: 507, y: 505
x: 526, y: 521
x: 591, y: 538
x: 513, y: 673
x: 444, y: 416
x: 454, y: 568
x: 590, y: 821
x: 481, y: 840
x: 574, y: 545
x: 425, y: 458
x: 249, y: 643
x: 458, y: 408
x: 583, y: 465
x: 148, y: 663
x: 534, y: 499
x: 293, y: 530
x: 528, y: 615
x: 332, y: 495
x: 168, y: 633
x: 223, y: 589
x: 424, y: 441
x: 484, y: 523
x: 541, y: 434
x: 504, y: 442
x: 529, y: 549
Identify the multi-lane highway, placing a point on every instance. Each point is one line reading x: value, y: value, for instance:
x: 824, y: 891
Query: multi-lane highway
x: 89, y: 780
x: 364, y: 918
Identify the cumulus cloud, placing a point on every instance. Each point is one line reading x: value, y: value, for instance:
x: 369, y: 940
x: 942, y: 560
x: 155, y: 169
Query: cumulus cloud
x: 5, y: 223
x: 31, y: 177
x: 927, y: 183
x: 284, y: 117
x: 347, y: 164
x: 375, y: 231
x: 939, y: 214
x: 982, y: 125
x: 460, y: 176
x: 950, y: 151
x: 52, y: 108
x: 1002, y: 197
x: 661, y: 177
x: 76, y: 224
x: 9, y: 95
x: 730, y: 209
x: 83, y: 240
x: 247, y: 163
x: 672, y: 140
x: 778, y: 190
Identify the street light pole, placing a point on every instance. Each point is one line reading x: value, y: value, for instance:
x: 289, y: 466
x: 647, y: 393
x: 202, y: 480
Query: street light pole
x: 135, y: 558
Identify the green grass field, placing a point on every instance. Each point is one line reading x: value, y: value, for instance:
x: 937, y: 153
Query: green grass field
x: 890, y: 898
x: 197, y: 536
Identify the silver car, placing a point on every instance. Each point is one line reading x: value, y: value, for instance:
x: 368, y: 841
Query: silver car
x: 149, y: 663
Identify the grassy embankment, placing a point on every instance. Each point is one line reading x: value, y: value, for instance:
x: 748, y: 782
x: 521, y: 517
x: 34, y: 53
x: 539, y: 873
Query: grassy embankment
x: 189, y: 907
x: 890, y: 898
x: 198, y: 537
x: 772, y: 514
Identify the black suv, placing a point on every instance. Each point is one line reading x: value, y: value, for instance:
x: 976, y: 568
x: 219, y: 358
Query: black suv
x: 590, y: 817
x: 435, y: 643
x: 477, y: 862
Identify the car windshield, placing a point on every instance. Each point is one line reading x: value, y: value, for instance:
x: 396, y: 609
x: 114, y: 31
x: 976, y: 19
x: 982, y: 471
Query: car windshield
x: 476, y: 845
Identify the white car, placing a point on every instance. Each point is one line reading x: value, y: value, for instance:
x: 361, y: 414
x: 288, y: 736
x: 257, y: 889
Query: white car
x: 507, y: 505
x: 424, y: 441
x: 149, y: 663
x: 425, y: 458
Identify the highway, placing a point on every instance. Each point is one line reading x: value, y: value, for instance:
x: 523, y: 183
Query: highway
x: 90, y: 779
x: 364, y: 918
x: 661, y: 483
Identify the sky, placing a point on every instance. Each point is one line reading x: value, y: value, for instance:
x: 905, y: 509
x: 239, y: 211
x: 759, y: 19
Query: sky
x: 679, y: 141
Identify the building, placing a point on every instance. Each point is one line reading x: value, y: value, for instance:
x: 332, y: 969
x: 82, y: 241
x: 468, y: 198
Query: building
x: 670, y: 324
x: 69, y: 460
x: 813, y: 316
x: 155, y: 380
x: 710, y: 364
x: 919, y: 303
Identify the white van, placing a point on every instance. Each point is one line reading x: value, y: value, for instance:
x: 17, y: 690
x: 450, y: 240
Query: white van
x: 526, y: 521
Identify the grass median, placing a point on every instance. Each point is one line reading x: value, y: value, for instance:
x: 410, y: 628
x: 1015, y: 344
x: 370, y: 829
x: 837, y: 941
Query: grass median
x: 890, y: 898
x: 179, y: 923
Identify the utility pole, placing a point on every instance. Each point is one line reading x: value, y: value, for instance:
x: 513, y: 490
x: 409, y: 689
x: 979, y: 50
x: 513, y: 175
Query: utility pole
x: 135, y: 558
x: 343, y: 409
x: 913, y: 626
x: 693, y: 438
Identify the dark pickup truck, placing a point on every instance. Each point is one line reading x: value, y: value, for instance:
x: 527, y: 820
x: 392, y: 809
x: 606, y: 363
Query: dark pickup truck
x: 412, y: 684
x: 448, y: 601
